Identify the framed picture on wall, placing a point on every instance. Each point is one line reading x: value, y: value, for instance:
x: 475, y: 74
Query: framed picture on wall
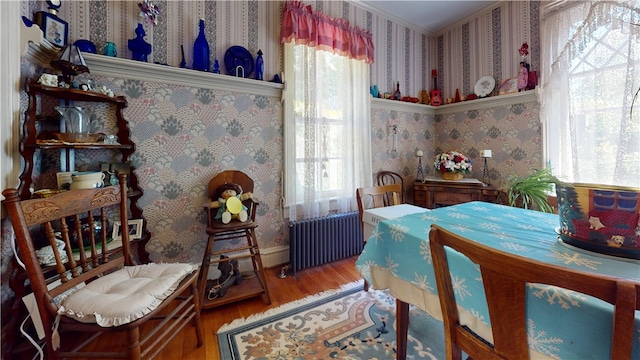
x: 53, y: 28
x: 135, y: 229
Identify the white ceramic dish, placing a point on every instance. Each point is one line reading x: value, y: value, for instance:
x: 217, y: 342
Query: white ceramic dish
x: 484, y: 86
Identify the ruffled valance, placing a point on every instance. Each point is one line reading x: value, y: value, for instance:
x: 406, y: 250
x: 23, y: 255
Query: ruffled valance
x: 313, y: 28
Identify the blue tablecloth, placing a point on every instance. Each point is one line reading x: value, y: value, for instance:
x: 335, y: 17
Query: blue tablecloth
x: 562, y: 324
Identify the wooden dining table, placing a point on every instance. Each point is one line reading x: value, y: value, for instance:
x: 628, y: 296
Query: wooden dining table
x: 561, y: 324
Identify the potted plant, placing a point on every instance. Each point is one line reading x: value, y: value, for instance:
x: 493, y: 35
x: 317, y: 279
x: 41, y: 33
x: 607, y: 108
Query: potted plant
x: 530, y: 192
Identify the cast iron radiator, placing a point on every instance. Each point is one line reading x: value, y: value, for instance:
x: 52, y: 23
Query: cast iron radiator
x: 325, y: 239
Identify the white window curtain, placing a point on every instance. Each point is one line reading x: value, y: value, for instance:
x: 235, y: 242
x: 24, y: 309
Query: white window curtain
x: 327, y: 131
x: 590, y: 74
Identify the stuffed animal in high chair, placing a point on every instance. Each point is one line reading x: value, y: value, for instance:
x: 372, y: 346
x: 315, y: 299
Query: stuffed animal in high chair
x: 229, y: 203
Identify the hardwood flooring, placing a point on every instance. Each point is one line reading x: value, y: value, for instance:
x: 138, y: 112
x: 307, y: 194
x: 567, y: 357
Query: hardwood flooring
x: 304, y: 283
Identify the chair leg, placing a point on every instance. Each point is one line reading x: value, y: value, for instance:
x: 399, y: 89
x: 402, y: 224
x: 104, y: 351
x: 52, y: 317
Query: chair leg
x: 133, y: 344
x: 196, y: 319
x: 204, y: 268
x: 257, y: 263
x: 402, y: 316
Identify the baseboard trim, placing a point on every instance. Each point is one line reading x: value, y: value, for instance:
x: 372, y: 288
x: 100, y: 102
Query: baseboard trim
x: 275, y: 256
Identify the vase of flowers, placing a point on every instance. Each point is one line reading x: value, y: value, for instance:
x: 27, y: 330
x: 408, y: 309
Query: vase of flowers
x: 452, y: 165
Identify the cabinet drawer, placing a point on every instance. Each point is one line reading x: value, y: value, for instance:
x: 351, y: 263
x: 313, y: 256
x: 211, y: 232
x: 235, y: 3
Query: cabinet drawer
x: 452, y: 198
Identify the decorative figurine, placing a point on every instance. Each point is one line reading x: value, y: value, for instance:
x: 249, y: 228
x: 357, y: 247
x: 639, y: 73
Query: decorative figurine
x: 216, y: 67
x: 110, y: 49
x: 259, y: 66
x: 276, y: 79
x: 201, y: 51
x: 523, y: 70
x: 140, y: 48
x: 523, y: 76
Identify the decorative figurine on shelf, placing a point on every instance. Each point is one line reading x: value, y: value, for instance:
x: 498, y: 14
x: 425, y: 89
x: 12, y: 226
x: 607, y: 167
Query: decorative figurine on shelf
x: 523, y: 76
x: 109, y: 49
x: 140, y: 49
x: 216, y: 67
x: 259, y: 66
x: 276, y: 79
x: 201, y: 50
x: 523, y: 70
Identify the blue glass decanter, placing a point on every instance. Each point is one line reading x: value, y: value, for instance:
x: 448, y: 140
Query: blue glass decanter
x: 201, y: 51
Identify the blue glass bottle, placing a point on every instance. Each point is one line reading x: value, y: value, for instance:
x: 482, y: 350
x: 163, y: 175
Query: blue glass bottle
x: 201, y: 50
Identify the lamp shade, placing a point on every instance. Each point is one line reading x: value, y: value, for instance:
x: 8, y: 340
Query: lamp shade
x: 485, y: 153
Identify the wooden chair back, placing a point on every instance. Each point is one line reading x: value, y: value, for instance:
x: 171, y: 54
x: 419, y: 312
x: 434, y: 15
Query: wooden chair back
x: 505, y: 277
x: 374, y: 197
x: 68, y: 216
x: 386, y: 177
x: 82, y: 220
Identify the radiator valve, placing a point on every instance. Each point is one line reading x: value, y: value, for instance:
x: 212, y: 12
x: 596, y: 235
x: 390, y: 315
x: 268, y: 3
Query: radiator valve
x: 283, y: 272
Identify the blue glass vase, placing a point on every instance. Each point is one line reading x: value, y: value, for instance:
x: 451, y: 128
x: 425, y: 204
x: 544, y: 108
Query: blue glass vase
x: 140, y: 49
x: 201, y: 51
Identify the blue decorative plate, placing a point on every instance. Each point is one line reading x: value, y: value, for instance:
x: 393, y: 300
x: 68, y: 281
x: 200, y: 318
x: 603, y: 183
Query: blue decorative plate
x: 85, y: 46
x: 239, y: 56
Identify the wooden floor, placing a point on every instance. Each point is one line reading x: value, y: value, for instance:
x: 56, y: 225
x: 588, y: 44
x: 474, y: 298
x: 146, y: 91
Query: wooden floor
x: 304, y: 283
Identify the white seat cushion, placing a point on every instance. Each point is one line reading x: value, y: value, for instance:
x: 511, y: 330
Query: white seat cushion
x: 124, y: 295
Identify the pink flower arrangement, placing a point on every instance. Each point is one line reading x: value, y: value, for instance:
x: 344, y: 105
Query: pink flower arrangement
x: 453, y: 161
x: 524, y: 49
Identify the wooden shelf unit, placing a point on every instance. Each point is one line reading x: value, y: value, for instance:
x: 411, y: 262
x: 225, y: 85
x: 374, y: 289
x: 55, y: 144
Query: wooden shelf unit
x: 29, y: 142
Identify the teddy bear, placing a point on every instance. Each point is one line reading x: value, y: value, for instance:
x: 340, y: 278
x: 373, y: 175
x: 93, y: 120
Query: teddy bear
x: 229, y: 203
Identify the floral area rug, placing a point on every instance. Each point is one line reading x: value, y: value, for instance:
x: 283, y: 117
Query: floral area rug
x: 344, y: 324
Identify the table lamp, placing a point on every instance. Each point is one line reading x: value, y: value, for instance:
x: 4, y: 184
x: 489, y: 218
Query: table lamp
x: 485, y: 172
x: 420, y: 175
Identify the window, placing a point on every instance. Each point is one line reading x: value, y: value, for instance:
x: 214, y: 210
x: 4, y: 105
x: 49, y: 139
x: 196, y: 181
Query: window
x: 327, y: 131
x: 591, y: 135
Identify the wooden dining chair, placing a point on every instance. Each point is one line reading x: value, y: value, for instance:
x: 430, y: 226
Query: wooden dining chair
x: 86, y: 283
x: 374, y: 197
x: 505, y: 277
x: 386, y: 177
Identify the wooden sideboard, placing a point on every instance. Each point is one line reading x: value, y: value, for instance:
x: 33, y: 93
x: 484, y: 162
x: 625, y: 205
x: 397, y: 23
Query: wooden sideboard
x: 434, y: 193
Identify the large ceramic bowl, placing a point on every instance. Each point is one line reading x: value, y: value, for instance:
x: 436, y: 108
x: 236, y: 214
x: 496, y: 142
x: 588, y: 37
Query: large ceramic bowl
x: 86, y: 180
x: 600, y: 218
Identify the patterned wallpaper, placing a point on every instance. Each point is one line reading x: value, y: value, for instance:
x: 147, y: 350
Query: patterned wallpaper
x: 512, y: 132
x: 186, y: 135
x: 485, y: 44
